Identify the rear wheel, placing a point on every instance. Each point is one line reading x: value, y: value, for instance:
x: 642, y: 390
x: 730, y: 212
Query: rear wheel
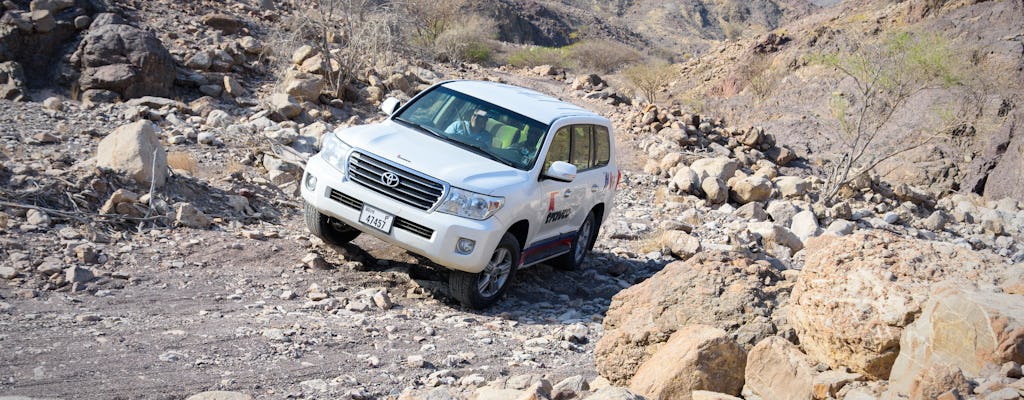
x: 328, y: 229
x: 573, y: 260
x: 482, y: 289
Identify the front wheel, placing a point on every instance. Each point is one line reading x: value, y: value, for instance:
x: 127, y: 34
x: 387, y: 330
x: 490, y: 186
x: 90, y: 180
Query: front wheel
x: 482, y: 289
x: 573, y: 260
x: 328, y: 229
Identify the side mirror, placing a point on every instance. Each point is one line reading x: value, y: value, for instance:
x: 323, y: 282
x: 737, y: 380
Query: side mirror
x: 561, y: 171
x: 389, y: 105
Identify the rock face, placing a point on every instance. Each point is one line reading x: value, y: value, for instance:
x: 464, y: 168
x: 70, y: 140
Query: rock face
x: 130, y: 149
x: 696, y: 357
x: 124, y: 59
x: 859, y: 292
x: 963, y: 327
x: 721, y: 289
x: 995, y: 173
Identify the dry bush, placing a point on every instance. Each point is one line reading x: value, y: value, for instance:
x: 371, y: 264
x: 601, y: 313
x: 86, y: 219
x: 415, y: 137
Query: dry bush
x: 468, y: 40
x: 182, y: 161
x: 759, y: 76
x: 432, y: 18
x: 602, y: 56
x: 649, y: 79
x: 352, y: 34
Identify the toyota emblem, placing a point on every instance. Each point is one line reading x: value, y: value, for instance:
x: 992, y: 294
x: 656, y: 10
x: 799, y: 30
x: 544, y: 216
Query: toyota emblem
x: 389, y: 179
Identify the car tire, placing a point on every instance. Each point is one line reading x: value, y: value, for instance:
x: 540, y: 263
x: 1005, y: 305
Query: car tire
x: 328, y: 229
x: 581, y: 245
x: 482, y: 289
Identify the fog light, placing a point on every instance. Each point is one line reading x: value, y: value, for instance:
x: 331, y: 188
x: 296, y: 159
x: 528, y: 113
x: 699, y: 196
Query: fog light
x: 465, y: 246
x: 310, y: 182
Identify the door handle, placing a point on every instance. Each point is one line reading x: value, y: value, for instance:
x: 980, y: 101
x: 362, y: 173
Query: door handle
x: 567, y: 193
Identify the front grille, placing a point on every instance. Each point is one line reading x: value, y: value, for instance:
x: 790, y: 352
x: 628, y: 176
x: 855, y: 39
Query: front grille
x: 399, y: 223
x: 413, y: 189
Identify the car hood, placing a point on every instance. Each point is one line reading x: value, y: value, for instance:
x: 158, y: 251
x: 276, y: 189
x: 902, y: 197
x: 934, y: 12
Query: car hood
x: 432, y: 156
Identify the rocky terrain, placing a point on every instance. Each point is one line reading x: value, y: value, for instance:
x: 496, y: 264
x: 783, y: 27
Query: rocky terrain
x: 152, y: 242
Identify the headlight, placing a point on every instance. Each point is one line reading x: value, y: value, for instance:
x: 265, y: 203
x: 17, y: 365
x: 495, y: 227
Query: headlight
x: 335, y: 151
x: 469, y: 204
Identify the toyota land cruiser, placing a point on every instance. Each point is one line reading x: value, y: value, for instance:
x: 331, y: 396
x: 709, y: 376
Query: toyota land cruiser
x: 482, y: 178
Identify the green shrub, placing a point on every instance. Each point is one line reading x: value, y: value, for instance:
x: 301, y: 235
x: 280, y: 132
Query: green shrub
x: 538, y: 55
x: 601, y: 56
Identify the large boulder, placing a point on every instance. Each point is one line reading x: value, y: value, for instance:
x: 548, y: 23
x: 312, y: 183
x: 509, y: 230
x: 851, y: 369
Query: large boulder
x: 719, y: 167
x: 696, y: 357
x: 124, y: 59
x: 857, y: 293
x: 135, y: 150
x: 722, y: 289
x: 964, y: 327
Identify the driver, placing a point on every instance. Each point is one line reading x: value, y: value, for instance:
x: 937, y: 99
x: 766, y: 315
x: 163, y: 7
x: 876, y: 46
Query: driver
x: 473, y: 127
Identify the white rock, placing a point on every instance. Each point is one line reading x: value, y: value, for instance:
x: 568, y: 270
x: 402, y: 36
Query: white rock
x: 841, y: 227
x: 135, y: 149
x: 218, y: 119
x: 53, y: 103
x: 805, y: 225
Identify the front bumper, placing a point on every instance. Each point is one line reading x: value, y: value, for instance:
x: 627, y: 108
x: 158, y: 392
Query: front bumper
x: 428, y: 233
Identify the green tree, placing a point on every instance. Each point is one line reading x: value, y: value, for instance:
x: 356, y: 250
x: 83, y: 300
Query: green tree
x: 880, y: 78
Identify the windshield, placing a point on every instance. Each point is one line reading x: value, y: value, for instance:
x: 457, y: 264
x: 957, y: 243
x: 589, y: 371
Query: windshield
x: 485, y: 128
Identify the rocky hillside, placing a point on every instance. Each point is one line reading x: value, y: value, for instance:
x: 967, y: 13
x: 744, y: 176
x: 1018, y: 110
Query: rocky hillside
x: 673, y: 29
x: 152, y: 241
x: 773, y: 80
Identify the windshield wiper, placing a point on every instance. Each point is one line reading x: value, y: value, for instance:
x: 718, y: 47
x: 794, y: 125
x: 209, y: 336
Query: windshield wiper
x: 485, y: 153
x: 420, y: 126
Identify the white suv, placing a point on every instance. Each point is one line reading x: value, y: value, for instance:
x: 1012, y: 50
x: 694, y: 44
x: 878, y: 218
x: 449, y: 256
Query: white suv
x: 482, y: 178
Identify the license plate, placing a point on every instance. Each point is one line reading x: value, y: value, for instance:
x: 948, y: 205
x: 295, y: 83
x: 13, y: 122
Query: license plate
x: 376, y: 218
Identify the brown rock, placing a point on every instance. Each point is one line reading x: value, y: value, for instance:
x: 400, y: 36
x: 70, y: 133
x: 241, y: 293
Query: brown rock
x: 696, y: 357
x: 776, y: 369
x: 715, y: 190
x: 859, y: 292
x: 780, y: 155
x: 225, y: 23
x: 751, y: 188
x: 119, y: 196
x: 962, y: 327
x: 721, y: 289
x: 303, y: 86
x: 933, y: 381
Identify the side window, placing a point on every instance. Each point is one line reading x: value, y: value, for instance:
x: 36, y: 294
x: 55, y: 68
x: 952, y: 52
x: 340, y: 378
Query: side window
x: 603, y: 148
x: 559, y: 150
x: 581, y: 146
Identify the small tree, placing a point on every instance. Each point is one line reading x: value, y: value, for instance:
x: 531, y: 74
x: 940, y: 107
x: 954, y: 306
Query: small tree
x: 648, y: 79
x: 883, y: 77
